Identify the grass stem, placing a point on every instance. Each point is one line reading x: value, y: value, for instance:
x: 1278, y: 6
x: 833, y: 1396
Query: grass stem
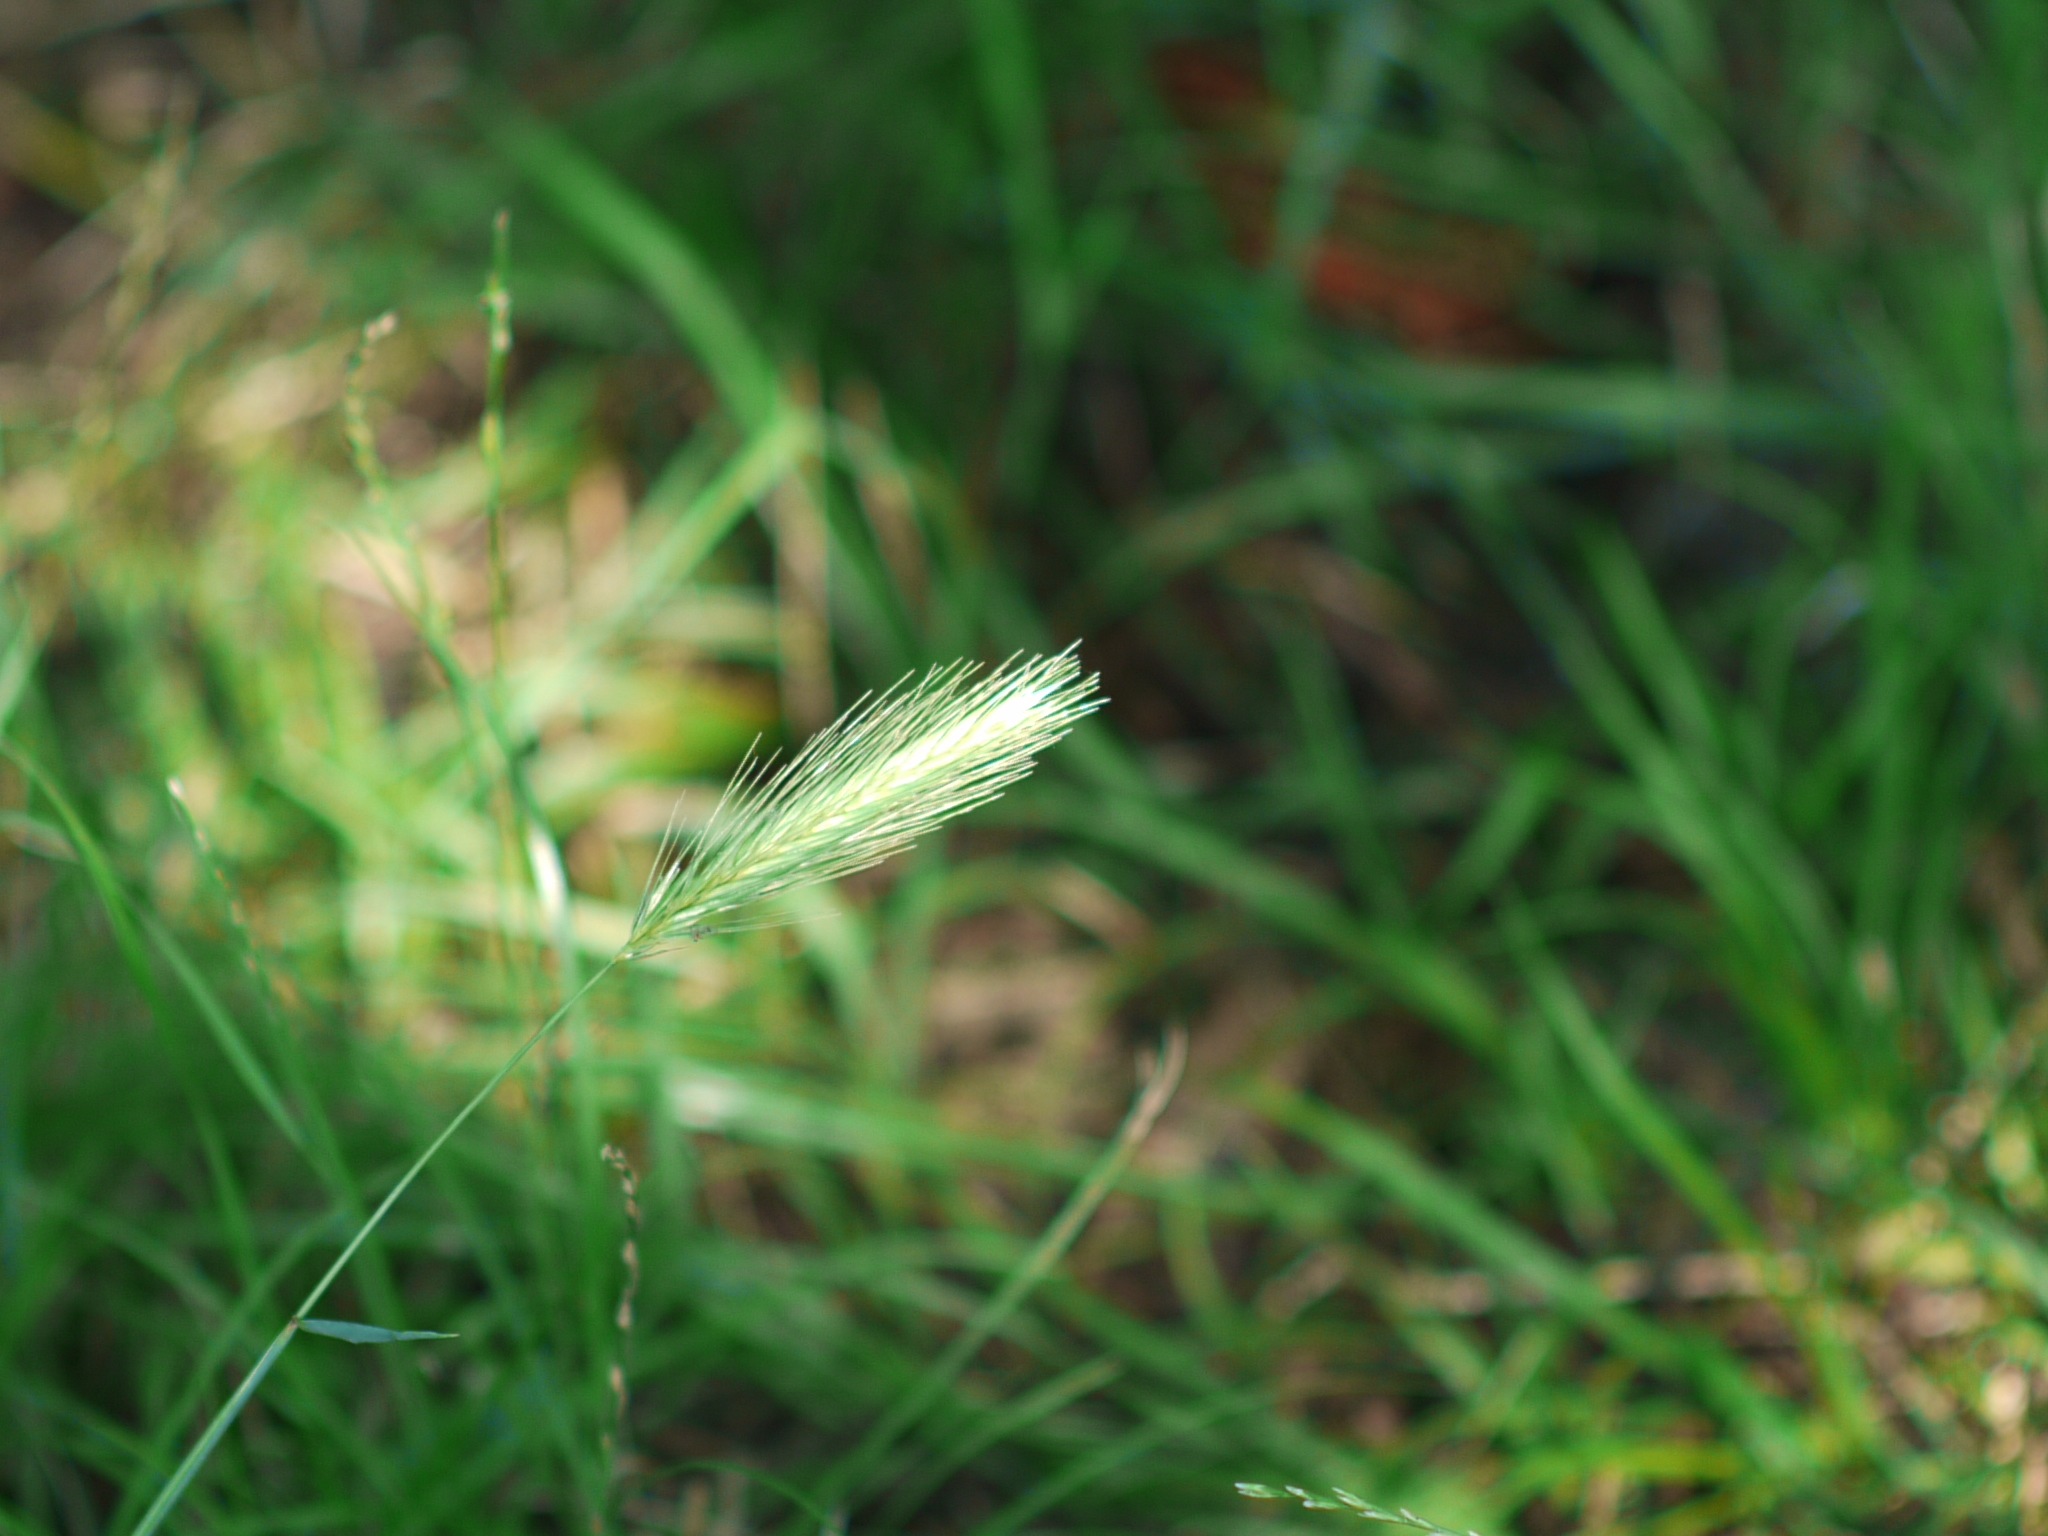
x: 196, y: 1458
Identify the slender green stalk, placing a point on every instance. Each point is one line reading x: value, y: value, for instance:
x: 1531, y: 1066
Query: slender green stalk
x: 1144, y: 1113
x: 181, y: 1479
x: 887, y: 772
x: 1028, y: 1408
x: 526, y: 825
x: 497, y: 303
x: 868, y: 786
x: 196, y: 1458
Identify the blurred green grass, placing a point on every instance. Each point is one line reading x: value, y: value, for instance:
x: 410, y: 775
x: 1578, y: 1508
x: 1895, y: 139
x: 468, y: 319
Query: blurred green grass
x: 1555, y: 493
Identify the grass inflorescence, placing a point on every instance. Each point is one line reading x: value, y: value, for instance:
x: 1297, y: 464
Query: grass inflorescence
x: 1553, y: 492
x: 869, y: 785
x: 883, y: 775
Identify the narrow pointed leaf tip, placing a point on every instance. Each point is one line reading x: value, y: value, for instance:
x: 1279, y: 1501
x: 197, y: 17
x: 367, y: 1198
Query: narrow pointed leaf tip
x: 870, y: 784
x: 364, y: 1333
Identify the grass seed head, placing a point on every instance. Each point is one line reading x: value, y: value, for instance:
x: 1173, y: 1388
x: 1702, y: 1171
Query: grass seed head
x: 869, y: 785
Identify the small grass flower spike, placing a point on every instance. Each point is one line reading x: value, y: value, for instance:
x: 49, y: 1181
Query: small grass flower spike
x: 1351, y: 1503
x: 880, y: 777
x: 883, y: 775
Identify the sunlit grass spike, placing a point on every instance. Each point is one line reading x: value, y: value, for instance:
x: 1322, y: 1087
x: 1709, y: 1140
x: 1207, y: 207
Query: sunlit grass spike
x: 884, y: 774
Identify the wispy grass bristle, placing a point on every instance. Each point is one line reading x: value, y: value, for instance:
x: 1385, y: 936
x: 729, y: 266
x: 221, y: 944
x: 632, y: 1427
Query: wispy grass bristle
x: 871, y: 784
x: 1344, y: 1501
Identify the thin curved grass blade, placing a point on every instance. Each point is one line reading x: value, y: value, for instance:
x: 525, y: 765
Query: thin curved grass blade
x: 366, y: 1333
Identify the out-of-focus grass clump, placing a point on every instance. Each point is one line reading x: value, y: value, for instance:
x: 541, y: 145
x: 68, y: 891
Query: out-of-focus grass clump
x: 1556, y: 495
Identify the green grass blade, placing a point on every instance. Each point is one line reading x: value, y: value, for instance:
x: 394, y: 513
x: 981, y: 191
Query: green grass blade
x: 1441, y: 1203
x: 1655, y: 1135
x: 17, y: 666
x: 220, y: 1341
x: 196, y: 1458
x: 126, y: 918
x: 226, y: 1033
x: 1164, y: 1427
x: 1417, y: 969
x: 1040, y: 1402
x: 847, y: 1477
x: 105, y: 883
x: 365, y: 1333
x: 621, y: 224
